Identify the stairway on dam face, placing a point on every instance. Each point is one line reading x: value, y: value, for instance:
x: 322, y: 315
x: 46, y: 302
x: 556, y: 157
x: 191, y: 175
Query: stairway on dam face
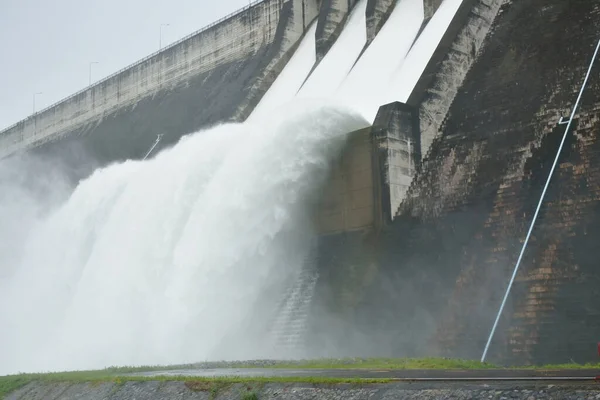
x: 289, y: 327
x: 456, y: 238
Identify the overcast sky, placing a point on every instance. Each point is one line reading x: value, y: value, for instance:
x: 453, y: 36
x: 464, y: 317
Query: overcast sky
x: 47, y: 45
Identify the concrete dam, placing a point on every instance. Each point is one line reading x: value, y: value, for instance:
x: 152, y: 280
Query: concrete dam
x: 314, y: 178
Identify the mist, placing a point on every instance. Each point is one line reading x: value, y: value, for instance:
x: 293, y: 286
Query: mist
x: 156, y: 261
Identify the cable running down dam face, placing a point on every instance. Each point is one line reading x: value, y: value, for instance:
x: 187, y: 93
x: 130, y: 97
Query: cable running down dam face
x: 336, y: 179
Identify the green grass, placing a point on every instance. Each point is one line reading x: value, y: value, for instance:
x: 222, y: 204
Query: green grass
x: 8, y: 384
x: 249, y: 396
x: 119, y: 375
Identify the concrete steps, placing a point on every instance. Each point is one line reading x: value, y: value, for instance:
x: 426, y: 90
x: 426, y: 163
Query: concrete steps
x: 289, y: 327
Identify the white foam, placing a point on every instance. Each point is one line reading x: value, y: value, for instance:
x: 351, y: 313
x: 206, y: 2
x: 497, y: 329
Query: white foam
x: 366, y: 86
x: 406, y: 78
x: 291, y: 78
x: 333, y: 68
x: 155, y: 262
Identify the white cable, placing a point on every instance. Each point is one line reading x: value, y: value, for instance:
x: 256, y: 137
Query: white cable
x: 537, y: 210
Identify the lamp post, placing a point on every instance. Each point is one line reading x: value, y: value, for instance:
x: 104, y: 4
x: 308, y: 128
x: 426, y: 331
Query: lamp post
x: 35, y: 94
x: 90, y: 76
x: 160, y: 38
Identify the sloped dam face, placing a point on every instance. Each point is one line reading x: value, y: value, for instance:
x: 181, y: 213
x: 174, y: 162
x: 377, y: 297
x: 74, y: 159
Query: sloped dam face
x: 351, y: 179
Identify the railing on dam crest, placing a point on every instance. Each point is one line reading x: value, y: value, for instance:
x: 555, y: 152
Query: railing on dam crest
x: 139, y: 62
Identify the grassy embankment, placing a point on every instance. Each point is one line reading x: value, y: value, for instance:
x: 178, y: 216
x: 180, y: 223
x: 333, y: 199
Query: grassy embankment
x: 8, y: 384
x: 213, y: 385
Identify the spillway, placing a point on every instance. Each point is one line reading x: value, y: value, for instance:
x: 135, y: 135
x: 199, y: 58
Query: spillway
x: 162, y: 261
x: 363, y: 82
x: 207, y: 250
x: 155, y: 262
x: 406, y: 77
x: 366, y: 85
x: 332, y: 70
x: 287, y: 84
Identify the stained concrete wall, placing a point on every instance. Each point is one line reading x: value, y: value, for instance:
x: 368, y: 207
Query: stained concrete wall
x: 377, y: 13
x: 452, y: 248
x: 371, y: 178
x: 430, y: 7
x: 256, y: 39
x: 445, y: 73
x: 348, y: 198
x: 397, y: 148
x: 443, y: 264
x: 331, y: 21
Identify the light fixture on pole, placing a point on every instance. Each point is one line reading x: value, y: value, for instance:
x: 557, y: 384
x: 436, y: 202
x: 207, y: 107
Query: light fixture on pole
x: 160, y: 38
x: 90, y: 76
x: 35, y: 94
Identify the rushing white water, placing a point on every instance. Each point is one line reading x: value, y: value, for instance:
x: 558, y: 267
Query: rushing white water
x: 363, y: 83
x: 163, y: 261
x: 332, y: 70
x: 387, y: 71
x: 291, y: 78
x: 405, y: 78
x: 366, y: 86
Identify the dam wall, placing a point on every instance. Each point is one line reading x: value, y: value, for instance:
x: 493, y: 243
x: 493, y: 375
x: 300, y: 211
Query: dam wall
x: 430, y: 281
x: 455, y: 240
x: 348, y: 201
x: 446, y: 70
x: 423, y: 216
x: 235, y: 54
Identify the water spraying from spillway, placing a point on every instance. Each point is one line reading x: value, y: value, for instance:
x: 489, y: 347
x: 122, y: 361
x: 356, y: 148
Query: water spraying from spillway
x: 174, y: 259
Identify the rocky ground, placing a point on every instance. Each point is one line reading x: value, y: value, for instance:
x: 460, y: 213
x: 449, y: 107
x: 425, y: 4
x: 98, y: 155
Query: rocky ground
x: 155, y: 390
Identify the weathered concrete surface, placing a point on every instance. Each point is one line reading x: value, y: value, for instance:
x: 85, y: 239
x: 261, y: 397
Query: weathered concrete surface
x: 378, y: 12
x: 398, y: 151
x: 440, y: 269
x: 452, y: 248
x: 431, y: 7
x: 200, y: 390
x: 332, y: 16
x: 445, y: 73
x: 347, y: 265
x: 215, y: 75
x: 348, y: 200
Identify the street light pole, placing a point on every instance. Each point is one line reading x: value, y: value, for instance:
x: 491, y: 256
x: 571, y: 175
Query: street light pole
x: 92, y: 63
x: 34, y: 100
x: 160, y: 38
